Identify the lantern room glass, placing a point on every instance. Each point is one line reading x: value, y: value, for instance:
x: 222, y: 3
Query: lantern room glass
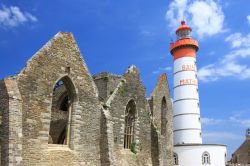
x: 185, y: 33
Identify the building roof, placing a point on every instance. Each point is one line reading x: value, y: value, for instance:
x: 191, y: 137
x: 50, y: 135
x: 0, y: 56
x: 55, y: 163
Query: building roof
x: 183, y: 26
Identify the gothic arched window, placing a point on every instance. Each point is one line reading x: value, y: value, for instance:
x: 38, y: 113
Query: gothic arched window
x: 62, y: 105
x: 205, y: 158
x: 176, y: 159
x: 130, y: 115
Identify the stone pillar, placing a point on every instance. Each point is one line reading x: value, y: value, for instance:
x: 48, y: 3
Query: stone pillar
x: 107, y: 141
x: 11, y: 105
x: 68, y: 130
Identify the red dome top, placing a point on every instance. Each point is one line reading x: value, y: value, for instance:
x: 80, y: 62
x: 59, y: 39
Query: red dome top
x: 183, y: 26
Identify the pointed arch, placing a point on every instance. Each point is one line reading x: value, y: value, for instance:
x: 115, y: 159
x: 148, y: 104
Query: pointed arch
x: 129, y: 128
x: 63, y: 97
x: 163, y: 116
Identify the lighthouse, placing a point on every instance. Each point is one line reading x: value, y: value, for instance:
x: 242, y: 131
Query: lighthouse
x: 187, y: 126
x: 188, y: 147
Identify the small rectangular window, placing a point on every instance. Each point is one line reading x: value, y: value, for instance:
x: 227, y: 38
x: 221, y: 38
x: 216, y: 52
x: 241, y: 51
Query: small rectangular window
x: 68, y: 70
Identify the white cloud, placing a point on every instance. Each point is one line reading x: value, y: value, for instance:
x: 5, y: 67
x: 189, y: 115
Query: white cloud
x: 248, y: 19
x: 31, y: 17
x: 214, y: 72
x: 12, y: 16
x: 210, y: 121
x: 219, y: 136
x: 239, y: 118
x: 237, y: 40
x: 162, y: 69
x: 207, y: 73
x: 243, y: 122
x: 230, y: 64
x: 206, y: 17
x: 175, y: 12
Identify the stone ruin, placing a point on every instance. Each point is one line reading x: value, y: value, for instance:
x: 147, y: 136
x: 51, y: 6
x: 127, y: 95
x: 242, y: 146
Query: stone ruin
x: 54, y: 112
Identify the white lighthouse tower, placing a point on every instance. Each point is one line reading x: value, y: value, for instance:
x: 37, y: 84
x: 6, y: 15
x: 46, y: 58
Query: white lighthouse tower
x: 188, y: 147
x: 187, y: 126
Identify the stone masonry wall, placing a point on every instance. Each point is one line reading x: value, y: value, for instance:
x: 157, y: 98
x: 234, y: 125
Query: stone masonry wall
x: 1, y: 134
x: 96, y: 113
x: 107, y: 139
x: 165, y: 140
x: 4, y: 107
x: 59, y: 58
x: 101, y: 81
x: 106, y: 84
x: 129, y: 88
x: 113, y: 81
x: 11, y: 133
x: 241, y: 155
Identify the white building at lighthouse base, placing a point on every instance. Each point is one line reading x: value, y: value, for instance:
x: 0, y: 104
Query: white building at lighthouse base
x: 200, y: 154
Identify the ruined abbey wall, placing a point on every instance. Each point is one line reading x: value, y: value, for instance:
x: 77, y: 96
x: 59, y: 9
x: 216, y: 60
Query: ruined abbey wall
x: 129, y: 89
x: 34, y: 109
x: 35, y: 84
x: 161, y: 109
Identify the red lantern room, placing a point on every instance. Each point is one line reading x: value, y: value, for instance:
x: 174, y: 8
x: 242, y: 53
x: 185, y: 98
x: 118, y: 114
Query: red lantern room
x: 184, y: 45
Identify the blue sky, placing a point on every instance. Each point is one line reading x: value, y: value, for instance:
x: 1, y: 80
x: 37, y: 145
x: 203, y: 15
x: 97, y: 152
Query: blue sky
x: 114, y: 34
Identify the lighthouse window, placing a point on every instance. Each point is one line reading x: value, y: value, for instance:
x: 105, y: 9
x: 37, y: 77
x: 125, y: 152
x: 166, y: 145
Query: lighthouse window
x: 183, y: 34
x: 205, y: 158
x: 197, y: 90
x: 175, y: 159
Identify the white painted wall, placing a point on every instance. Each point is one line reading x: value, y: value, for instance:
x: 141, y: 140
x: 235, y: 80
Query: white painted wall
x: 192, y: 155
x: 186, y: 106
x: 187, y: 137
x: 184, y: 75
x: 186, y: 121
x: 184, y: 60
x: 185, y: 92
